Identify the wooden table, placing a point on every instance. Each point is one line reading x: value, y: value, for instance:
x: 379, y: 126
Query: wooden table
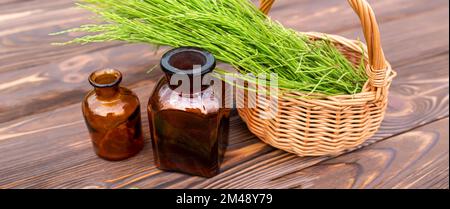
x: 44, y: 142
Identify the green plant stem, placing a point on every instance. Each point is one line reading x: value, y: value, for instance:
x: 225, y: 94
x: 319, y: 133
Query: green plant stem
x: 236, y: 32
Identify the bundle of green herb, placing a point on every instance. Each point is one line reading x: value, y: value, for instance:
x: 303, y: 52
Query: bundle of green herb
x: 236, y: 32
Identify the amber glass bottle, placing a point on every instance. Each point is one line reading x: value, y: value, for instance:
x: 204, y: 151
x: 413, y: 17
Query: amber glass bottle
x: 112, y: 115
x: 189, y: 127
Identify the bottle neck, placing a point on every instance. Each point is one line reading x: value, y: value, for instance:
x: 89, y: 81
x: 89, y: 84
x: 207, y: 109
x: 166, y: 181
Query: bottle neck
x: 106, y: 83
x: 108, y: 92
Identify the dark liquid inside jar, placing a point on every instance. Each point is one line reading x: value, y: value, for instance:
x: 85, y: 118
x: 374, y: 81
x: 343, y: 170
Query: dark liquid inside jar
x: 189, y: 130
x: 121, y: 141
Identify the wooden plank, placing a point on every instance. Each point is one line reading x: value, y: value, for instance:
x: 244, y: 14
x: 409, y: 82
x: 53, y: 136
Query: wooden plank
x: 24, y: 39
x: 416, y: 159
x: 336, y: 16
x: 12, y: 6
x: 404, y: 43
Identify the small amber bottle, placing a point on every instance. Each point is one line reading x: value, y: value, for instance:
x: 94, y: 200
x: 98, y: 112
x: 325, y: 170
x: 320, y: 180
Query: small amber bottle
x: 189, y: 129
x: 112, y: 115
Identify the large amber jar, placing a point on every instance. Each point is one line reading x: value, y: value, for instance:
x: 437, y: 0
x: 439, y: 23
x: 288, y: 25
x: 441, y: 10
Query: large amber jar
x: 188, y: 126
x: 113, y: 117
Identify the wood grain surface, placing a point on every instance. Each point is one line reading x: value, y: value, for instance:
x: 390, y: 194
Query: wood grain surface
x: 45, y: 144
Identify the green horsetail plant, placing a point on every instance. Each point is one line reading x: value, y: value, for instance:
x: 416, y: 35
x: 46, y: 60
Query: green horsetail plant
x: 236, y: 32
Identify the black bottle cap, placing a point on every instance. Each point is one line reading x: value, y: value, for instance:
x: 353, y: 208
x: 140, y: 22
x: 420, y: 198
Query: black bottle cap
x: 182, y: 61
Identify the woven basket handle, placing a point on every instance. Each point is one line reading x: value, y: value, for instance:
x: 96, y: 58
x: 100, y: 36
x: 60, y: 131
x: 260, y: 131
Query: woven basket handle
x: 378, y: 72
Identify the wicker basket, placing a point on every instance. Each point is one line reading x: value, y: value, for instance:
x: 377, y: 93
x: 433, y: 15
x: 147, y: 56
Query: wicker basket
x: 329, y: 125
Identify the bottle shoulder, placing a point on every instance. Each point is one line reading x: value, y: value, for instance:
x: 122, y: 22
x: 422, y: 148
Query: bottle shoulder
x: 123, y: 105
x: 163, y: 98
